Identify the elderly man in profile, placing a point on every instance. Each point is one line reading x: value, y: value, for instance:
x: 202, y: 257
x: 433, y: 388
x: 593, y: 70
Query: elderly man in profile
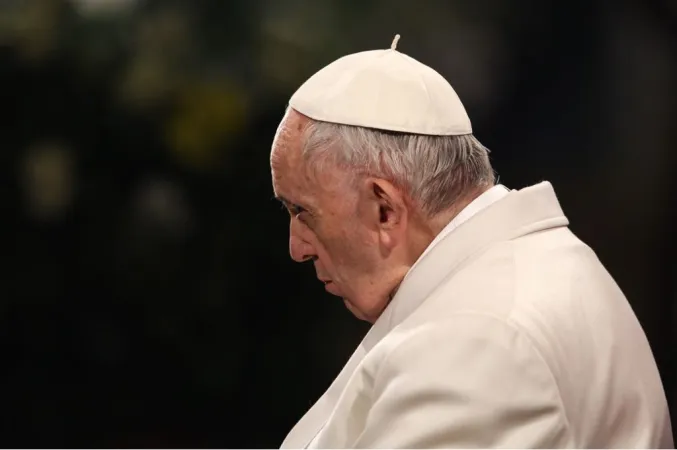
x: 493, y: 324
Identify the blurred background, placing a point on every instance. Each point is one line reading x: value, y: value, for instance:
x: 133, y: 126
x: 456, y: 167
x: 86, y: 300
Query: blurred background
x: 147, y: 297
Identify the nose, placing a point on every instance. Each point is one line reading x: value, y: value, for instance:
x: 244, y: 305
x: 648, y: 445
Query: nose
x: 299, y: 248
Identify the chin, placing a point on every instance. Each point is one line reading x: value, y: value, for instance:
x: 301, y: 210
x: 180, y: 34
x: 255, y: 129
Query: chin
x: 355, y: 312
x: 360, y: 314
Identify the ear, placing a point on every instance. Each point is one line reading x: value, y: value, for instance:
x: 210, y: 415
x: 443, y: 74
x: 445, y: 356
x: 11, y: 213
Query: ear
x: 386, y: 209
x: 390, y: 203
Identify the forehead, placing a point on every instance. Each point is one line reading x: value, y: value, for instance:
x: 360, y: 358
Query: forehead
x: 293, y: 178
x: 285, y: 155
x: 286, y: 161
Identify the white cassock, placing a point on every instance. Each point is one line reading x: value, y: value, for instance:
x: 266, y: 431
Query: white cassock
x: 507, y: 332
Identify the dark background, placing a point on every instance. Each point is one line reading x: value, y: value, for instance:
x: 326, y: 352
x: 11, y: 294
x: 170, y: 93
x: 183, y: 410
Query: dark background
x: 147, y: 297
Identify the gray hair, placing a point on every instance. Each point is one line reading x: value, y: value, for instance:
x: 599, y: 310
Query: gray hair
x: 435, y: 171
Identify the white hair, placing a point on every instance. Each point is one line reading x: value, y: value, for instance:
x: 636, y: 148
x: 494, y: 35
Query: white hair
x: 435, y: 171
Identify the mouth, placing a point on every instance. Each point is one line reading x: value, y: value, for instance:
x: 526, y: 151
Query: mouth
x: 330, y: 287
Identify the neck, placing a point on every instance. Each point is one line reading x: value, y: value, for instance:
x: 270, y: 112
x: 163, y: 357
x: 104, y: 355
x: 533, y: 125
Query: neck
x: 427, y: 229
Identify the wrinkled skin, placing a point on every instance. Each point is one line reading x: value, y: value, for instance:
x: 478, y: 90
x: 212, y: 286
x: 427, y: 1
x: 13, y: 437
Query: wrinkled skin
x: 362, y: 237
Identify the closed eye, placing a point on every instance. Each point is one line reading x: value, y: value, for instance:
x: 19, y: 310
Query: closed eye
x: 292, y: 208
x: 296, y: 209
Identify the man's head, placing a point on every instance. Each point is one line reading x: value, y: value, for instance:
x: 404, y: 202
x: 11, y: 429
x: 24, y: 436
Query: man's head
x: 365, y: 203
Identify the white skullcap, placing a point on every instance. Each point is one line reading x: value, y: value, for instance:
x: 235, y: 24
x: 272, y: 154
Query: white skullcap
x: 386, y: 90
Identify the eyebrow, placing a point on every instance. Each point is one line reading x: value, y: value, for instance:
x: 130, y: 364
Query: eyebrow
x: 289, y: 204
x: 281, y: 199
x: 284, y: 201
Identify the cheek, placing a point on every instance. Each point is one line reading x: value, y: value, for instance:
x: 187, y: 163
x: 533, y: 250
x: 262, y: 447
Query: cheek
x: 347, y: 251
x: 353, y: 256
x: 329, y: 249
x: 329, y: 253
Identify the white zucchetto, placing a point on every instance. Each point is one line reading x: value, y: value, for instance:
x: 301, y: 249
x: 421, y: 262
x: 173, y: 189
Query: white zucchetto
x: 385, y: 90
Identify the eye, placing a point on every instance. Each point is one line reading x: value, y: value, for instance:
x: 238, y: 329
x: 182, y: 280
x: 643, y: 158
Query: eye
x: 301, y: 214
x: 296, y: 210
x: 293, y: 209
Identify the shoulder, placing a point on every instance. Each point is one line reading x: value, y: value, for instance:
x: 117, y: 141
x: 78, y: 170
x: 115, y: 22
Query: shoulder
x: 470, y: 371
x: 521, y: 277
x: 466, y: 349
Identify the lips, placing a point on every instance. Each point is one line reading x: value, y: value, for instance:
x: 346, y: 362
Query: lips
x: 331, y: 287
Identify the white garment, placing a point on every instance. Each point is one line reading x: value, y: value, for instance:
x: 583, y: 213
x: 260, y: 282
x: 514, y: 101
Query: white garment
x: 508, y: 333
x: 484, y: 200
